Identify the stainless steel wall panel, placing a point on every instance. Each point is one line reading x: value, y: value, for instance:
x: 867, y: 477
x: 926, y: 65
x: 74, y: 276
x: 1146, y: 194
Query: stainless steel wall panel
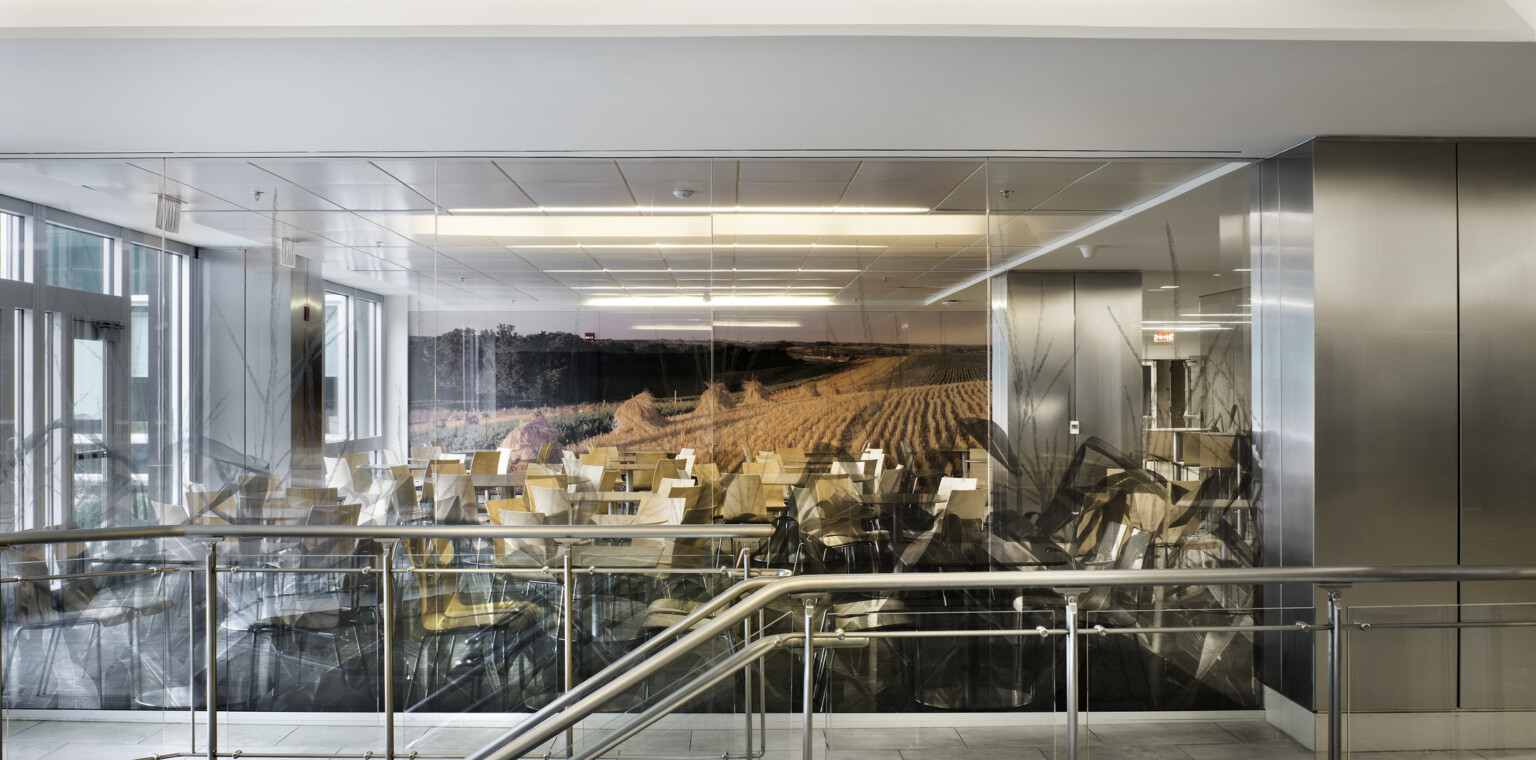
x: 1283, y: 403
x: 306, y: 321
x: 1386, y: 380
x: 1497, y: 191
x: 1108, y: 403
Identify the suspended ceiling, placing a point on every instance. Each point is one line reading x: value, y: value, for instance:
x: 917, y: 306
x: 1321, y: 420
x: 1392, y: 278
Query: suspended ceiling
x: 535, y: 233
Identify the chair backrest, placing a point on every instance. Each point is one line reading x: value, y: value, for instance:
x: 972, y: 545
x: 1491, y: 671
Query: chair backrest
x: 968, y: 504
x: 666, y: 469
x: 874, y: 463
x: 545, y: 449
x: 848, y: 468
x: 598, y: 458
x: 609, y: 481
x: 522, y: 552
x: 746, y: 454
x: 611, y: 451
x: 644, y: 476
x: 424, y: 452
x: 539, y: 469
x: 485, y: 463
x: 361, y: 476
x: 338, y: 474
x: 791, y: 453
x: 453, y: 500
x: 332, y: 514
x: 168, y: 514
x: 550, y: 502
x: 307, y: 497
x: 890, y: 480
x: 950, y: 485
x: 403, y: 497
x: 448, y: 467
x: 681, y: 489
x: 660, y: 510
x: 743, y: 498
x: 706, y: 472
x: 391, y: 458
x: 589, y: 477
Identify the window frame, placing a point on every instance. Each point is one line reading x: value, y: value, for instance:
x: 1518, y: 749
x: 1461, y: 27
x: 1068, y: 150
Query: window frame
x: 350, y: 439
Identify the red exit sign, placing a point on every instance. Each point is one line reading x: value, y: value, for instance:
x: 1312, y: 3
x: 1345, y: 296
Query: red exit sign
x: 1162, y: 336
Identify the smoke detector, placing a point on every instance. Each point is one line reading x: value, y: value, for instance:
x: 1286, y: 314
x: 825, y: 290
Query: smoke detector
x: 1088, y: 250
x: 682, y: 192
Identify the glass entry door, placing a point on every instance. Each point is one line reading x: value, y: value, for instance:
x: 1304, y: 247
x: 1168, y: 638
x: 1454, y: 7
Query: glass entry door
x: 91, y: 466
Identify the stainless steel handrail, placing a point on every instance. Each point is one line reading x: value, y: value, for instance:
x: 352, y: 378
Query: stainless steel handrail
x: 615, y: 682
x: 386, y: 532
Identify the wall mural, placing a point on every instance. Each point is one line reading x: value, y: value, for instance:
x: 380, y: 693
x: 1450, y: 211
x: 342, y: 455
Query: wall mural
x: 514, y: 388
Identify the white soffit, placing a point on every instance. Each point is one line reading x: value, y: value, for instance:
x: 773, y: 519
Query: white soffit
x: 1423, y: 20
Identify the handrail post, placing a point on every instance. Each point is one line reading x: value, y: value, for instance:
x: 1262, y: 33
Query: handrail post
x: 746, y: 672
x: 1335, y: 676
x: 1071, y: 625
x: 808, y: 687
x: 387, y: 633
x: 211, y: 651
x: 567, y: 632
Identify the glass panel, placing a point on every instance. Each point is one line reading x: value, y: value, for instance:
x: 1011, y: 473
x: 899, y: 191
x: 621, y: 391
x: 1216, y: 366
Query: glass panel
x: 338, y: 366
x: 79, y: 260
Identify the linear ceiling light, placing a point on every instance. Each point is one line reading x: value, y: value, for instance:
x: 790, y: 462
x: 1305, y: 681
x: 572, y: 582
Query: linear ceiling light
x: 696, y: 210
x: 714, y: 302
x: 705, y: 227
x: 700, y: 271
x: 667, y: 246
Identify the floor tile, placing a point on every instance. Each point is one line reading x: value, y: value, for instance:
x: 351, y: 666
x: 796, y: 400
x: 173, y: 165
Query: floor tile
x: 21, y: 751
x: 100, y: 751
x: 1508, y: 754
x: 651, y: 741
x: 981, y: 753
x: 451, y: 738
x: 87, y: 732
x: 1019, y: 736
x: 232, y: 736
x: 1158, y: 734
x: 1450, y: 754
x: 1257, y: 751
x: 892, y: 738
x: 1254, y: 732
x: 332, y: 736
x: 819, y: 753
x: 1128, y: 753
x: 732, y: 740
x: 12, y: 726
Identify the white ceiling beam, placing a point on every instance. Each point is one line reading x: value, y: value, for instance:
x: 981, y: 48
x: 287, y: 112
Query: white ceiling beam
x: 1150, y: 203
x: 1424, y: 20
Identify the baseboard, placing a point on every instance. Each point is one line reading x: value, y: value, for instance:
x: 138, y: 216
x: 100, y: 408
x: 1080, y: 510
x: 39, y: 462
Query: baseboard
x: 1295, y: 721
x: 679, y: 720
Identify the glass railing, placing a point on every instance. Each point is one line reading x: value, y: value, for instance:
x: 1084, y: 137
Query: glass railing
x: 327, y: 640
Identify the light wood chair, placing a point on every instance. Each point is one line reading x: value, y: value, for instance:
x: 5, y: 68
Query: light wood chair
x: 453, y: 500
x: 447, y: 467
x: 644, y: 479
x: 485, y: 463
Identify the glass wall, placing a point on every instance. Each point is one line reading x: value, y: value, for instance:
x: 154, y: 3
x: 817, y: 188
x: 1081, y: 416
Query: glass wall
x: 902, y: 365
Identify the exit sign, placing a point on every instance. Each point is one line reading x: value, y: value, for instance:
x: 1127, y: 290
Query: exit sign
x: 1162, y: 336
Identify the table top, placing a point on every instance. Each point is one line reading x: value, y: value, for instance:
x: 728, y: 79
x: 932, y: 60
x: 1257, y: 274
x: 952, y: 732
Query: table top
x: 920, y: 499
x: 505, y: 479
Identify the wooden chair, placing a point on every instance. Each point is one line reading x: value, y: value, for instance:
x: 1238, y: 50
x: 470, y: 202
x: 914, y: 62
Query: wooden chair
x: 545, y: 449
x: 447, y: 467
x: 485, y: 463
x: 402, y: 497
x: 644, y: 479
x: 599, y: 458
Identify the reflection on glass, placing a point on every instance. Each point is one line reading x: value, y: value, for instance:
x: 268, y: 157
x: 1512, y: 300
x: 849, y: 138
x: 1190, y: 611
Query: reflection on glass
x: 338, y: 365
x: 11, y: 258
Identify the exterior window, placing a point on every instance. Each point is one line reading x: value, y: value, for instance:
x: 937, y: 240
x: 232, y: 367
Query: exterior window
x: 352, y: 366
x: 79, y: 260
x: 12, y: 266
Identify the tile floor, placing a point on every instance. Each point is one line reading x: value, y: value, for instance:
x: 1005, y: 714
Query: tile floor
x: 1183, y: 740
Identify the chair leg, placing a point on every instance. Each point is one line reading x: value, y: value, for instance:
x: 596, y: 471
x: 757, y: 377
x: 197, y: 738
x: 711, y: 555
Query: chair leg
x: 53, y: 651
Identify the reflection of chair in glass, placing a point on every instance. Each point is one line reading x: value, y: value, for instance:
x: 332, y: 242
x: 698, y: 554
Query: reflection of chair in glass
x: 75, y: 603
x: 743, y: 499
x: 453, y: 501
x: 916, y: 473
x: 425, y: 453
x: 553, y: 504
x: 467, y: 635
x: 948, y: 485
x: 545, y: 451
x: 447, y: 467
x: 402, y: 496
x: 840, y: 528
x: 599, y: 458
x: 298, y: 612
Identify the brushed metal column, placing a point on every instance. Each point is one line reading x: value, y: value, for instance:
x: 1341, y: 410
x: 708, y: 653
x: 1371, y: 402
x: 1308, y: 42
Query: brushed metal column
x: 307, y: 352
x: 1038, y: 382
x: 1107, y: 403
x: 1497, y: 193
x: 1386, y: 357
